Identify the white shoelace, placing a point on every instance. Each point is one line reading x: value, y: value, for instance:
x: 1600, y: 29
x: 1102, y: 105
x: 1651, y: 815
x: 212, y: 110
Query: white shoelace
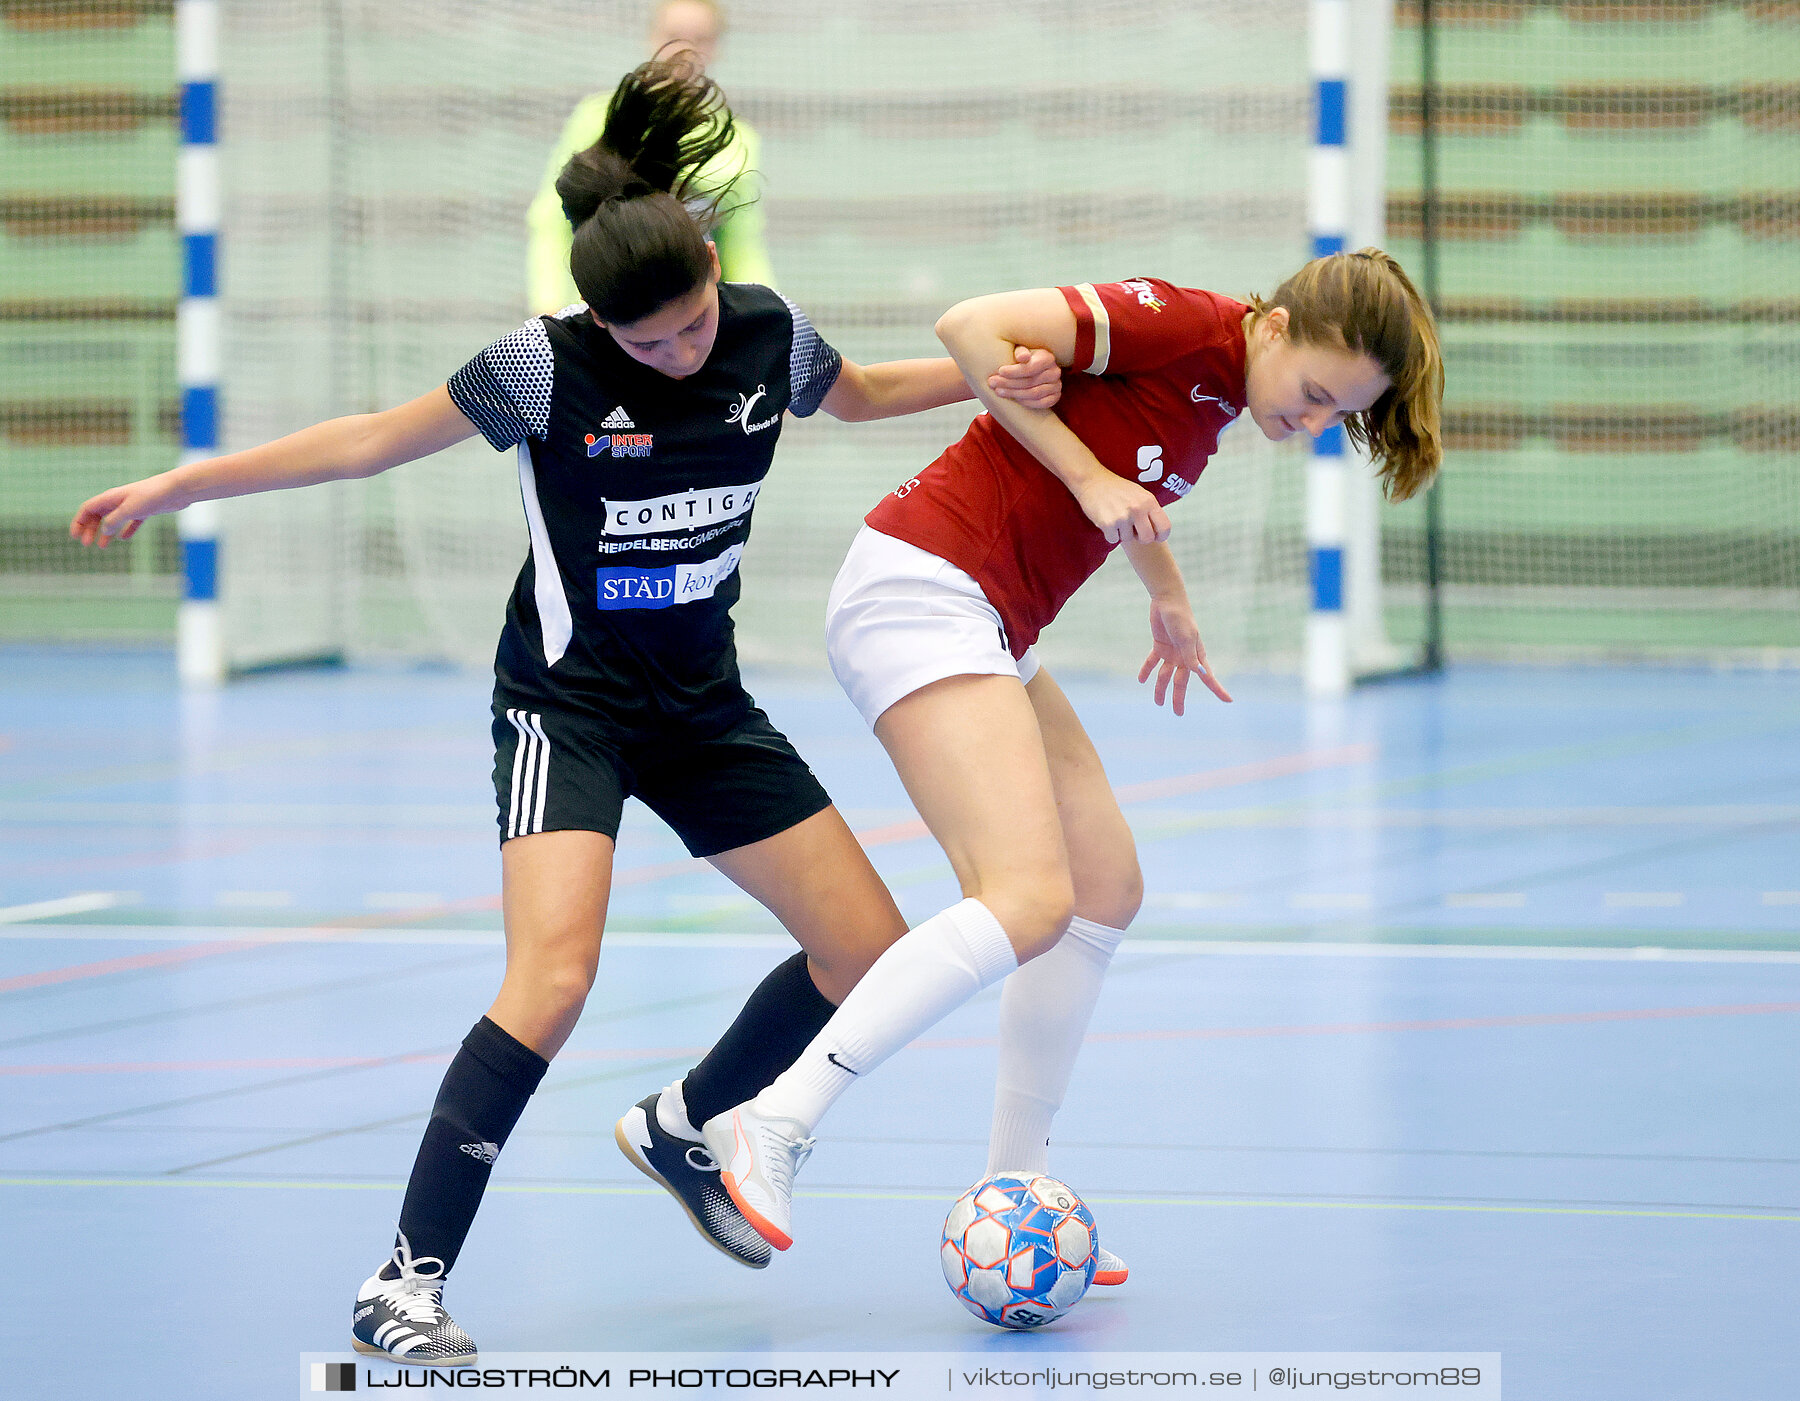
x: 783, y: 1165
x: 417, y: 1295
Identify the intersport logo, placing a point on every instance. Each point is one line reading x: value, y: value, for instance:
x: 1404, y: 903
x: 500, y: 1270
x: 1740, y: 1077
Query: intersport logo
x: 619, y: 444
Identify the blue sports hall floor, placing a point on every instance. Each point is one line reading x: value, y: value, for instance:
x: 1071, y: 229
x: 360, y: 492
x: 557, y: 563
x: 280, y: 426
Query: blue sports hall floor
x: 1461, y: 1015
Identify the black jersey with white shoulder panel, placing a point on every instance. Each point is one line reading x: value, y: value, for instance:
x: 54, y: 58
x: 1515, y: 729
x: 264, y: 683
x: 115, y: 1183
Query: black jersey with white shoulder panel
x: 638, y: 490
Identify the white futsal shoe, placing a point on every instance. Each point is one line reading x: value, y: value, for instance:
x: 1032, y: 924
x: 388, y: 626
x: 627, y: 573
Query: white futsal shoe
x: 758, y: 1158
x: 1110, y: 1269
x: 404, y: 1318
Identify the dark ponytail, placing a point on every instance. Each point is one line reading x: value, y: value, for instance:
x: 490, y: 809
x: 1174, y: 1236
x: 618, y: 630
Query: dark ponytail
x: 640, y: 222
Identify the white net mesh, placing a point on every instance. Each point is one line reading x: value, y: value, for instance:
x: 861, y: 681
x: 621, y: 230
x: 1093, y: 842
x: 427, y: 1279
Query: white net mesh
x: 87, y: 287
x: 1621, y: 312
x: 380, y: 157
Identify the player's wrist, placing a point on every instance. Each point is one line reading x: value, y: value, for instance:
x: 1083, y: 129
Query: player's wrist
x: 1088, y: 480
x: 176, y: 489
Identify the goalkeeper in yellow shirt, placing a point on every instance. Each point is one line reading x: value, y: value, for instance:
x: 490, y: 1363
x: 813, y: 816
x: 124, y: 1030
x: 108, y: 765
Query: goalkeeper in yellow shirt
x: 693, y: 26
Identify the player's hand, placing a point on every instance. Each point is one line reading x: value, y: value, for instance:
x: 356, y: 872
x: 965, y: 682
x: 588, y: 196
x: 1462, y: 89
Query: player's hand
x: 1034, y: 379
x: 1122, y: 510
x: 117, y: 512
x: 1176, y: 653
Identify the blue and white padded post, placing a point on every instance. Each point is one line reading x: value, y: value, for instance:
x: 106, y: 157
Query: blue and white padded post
x: 1327, y: 665
x: 199, y: 637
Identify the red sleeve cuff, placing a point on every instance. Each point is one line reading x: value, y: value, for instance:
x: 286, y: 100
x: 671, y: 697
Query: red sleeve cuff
x: 1084, y: 328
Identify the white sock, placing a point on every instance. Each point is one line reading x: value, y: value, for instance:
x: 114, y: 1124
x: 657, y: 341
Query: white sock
x: 1044, y: 1013
x: 672, y: 1115
x: 928, y: 973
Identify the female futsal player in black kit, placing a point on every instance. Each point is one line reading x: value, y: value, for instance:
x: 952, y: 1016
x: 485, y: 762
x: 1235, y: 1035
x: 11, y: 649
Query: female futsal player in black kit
x: 645, y: 420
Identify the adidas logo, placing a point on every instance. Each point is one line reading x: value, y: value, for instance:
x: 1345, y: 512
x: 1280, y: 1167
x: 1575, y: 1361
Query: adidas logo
x: 363, y: 1313
x: 482, y: 1152
x: 618, y: 418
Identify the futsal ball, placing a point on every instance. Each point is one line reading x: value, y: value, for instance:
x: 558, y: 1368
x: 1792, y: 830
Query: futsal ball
x: 1019, y: 1250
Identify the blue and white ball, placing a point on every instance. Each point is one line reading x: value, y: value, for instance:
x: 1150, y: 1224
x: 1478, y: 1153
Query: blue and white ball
x: 1019, y: 1250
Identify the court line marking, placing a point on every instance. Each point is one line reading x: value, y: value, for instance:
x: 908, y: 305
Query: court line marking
x: 340, y: 820
x: 1594, y: 953
x: 1271, y: 1150
x: 1288, y: 816
x: 635, y: 1065
x: 438, y: 816
x: 369, y: 742
x: 1399, y: 908
x: 900, y: 1195
x: 1496, y: 1023
x: 1303, y: 761
x: 68, y: 905
x: 362, y: 980
x: 323, y: 932
x: 1134, y: 943
x: 165, y: 856
x: 1507, y: 766
x: 676, y: 1056
x: 170, y: 1067
x: 1203, y: 780
x: 1629, y: 1014
x: 955, y: 1043
x: 49, y: 977
x: 558, y: 1087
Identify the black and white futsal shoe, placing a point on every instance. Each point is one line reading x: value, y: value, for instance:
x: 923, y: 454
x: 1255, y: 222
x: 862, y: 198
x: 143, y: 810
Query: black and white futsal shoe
x: 690, y: 1174
x: 403, y: 1318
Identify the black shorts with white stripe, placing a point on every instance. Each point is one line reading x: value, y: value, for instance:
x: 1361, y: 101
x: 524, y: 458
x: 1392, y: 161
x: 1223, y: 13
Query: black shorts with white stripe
x: 555, y: 771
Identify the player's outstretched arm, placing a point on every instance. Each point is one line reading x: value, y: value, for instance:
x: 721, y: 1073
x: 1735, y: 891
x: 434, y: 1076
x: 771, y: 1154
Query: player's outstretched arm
x: 895, y: 387
x: 1176, y: 651
x: 982, y: 335
x: 360, y: 445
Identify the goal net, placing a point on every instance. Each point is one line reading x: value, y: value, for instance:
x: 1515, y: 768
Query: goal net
x: 379, y: 158
x: 1619, y: 226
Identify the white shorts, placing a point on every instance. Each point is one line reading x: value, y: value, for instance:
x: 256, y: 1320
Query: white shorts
x: 900, y: 618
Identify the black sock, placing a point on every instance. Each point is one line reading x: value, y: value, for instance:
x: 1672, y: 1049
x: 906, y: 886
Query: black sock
x: 482, y: 1096
x: 782, y: 1016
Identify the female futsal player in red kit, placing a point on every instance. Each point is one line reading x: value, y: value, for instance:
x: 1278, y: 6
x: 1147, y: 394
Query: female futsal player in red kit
x: 956, y: 573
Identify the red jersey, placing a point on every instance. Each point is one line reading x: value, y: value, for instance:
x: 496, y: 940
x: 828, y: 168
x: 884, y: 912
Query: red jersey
x: 1164, y: 374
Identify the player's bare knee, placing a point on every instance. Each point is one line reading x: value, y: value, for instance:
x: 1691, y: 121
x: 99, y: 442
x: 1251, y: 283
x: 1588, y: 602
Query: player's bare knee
x: 558, y: 987
x: 1034, y: 914
x: 1115, y: 898
x: 838, y: 970
x: 852, y: 952
x: 1109, y: 882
